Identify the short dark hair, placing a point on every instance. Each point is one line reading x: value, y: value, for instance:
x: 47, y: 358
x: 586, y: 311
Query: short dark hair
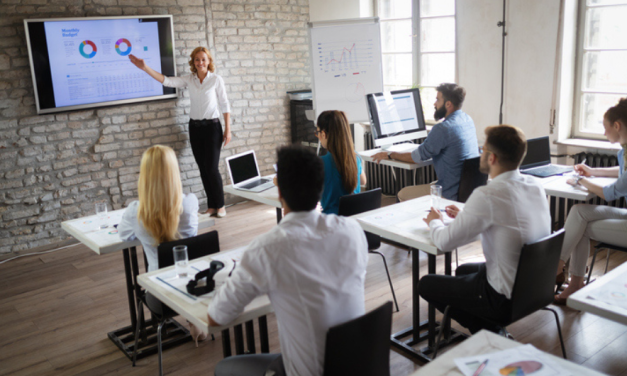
x: 453, y: 93
x: 300, y: 175
x: 508, y: 143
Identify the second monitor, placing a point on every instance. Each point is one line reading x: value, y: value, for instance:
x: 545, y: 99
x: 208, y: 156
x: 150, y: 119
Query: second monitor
x: 396, y: 116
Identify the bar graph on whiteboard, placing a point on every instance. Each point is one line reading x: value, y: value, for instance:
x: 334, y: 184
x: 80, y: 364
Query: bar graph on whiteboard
x: 344, y: 58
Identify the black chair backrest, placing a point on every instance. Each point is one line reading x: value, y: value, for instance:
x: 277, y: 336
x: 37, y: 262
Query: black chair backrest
x: 197, y: 246
x: 471, y: 178
x: 360, y: 346
x: 534, y: 287
x: 362, y: 202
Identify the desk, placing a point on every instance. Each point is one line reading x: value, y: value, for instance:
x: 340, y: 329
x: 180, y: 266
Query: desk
x: 485, y: 342
x: 367, y: 157
x: 196, y: 313
x: 107, y: 241
x: 268, y: 197
x: 402, y: 223
x: 581, y: 301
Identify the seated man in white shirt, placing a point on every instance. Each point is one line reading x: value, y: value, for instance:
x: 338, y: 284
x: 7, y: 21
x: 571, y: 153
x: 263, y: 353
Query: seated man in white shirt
x: 509, y: 212
x: 312, y: 266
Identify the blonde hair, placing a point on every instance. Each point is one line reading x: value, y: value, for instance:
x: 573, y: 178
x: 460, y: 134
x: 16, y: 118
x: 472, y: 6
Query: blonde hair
x: 192, y: 56
x: 340, y: 145
x: 160, y: 193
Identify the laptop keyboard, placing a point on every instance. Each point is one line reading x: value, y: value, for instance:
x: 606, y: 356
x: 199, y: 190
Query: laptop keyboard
x: 254, y: 184
x: 545, y: 171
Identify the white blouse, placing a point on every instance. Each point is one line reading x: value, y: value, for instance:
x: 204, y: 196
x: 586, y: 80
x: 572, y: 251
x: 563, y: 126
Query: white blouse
x: 207, y: 99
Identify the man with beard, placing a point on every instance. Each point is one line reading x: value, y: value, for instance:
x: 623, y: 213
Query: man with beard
x: 449, y: 143
x: 509, y: 212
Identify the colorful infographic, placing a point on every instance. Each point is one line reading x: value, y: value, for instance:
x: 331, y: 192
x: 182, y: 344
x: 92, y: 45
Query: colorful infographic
x: 525, y: 367
x: 81, y: 49
x: 128, y: 47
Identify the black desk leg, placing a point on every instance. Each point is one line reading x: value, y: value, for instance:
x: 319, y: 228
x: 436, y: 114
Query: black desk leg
x: 431, y: 310
x: 239, y: 339
x: 263, y: 335
x: 250, y: 336
x: 226, y: 343
x: 279, y: 214
x: 130, y: 292
x: 415, y: 270
x: 138, y: 290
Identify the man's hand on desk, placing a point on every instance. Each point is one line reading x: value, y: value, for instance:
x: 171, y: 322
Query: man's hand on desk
x: 380, y: 156
x: 433, y: 214
x: 452, y: 211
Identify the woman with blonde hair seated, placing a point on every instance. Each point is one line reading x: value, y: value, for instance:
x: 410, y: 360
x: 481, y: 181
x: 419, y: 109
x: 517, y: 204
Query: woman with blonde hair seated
x: 342, y: 167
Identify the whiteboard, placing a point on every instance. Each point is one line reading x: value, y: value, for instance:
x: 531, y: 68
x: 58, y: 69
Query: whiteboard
x: 346, y: 65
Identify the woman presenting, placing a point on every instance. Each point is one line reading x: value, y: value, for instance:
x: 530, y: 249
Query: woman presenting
x: 207, y: 99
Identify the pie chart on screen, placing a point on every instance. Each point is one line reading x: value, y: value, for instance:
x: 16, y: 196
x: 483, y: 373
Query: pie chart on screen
x: 523, y: 368
x: 123, y: 47
x: 87, y: 46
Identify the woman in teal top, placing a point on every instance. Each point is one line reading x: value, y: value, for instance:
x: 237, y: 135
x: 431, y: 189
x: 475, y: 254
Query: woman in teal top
x: 342, y: 167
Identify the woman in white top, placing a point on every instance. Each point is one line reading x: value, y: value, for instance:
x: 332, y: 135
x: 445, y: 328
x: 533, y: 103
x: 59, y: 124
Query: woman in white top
x: 162, y: 213
x: 207, y: 99
x: 599, y: 222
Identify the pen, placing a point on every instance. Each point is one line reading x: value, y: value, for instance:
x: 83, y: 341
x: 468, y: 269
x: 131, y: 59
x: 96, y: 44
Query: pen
x: 481, y: 368
x: 442, y: 210
x: 580, y: 176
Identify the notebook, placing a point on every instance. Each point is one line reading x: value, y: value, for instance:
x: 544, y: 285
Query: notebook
x: 244, y: 173
x: 537, y: 162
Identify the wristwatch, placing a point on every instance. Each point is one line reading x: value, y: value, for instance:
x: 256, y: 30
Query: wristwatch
x: 390, y: 155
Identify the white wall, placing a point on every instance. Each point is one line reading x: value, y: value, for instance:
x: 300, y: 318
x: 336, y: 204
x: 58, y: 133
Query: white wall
x: 532, y: 28
x: 326, y: 10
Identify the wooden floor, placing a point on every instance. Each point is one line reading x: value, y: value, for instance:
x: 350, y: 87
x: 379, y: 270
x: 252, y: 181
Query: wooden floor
x: 55, y: 311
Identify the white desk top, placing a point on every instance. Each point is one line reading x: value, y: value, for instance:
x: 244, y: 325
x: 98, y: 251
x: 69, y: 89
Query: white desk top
x: 403, y: 223
x: 581, y: 300
x: 485, y: 342
x: 107, y: 240
x: 268, y: 197
x: 556, y: 186
x: 196, y: 313
x: 366, y: 155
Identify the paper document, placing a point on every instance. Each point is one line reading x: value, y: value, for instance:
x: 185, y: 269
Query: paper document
x: 170, y: 281
x: 92, y: 223
x: 389, y: 218
x: 613, y: 292
x: 518, y: 361
x: 234, y: 255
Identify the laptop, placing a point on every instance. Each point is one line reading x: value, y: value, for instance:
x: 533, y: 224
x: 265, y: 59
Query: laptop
x: 537, y: 162
x: 244, y: 173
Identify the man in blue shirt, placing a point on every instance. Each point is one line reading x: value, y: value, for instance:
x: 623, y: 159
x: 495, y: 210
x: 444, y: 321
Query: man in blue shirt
x: 449, y: 143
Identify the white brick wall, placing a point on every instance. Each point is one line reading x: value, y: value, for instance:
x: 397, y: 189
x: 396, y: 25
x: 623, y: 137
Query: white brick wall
x: 54, y: 167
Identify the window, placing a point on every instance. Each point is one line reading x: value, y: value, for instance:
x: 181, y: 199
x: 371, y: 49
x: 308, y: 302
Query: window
x: 601, y: 62
x: 425, y: 59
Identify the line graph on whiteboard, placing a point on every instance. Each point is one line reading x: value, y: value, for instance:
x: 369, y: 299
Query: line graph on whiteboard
x: 345, y: 57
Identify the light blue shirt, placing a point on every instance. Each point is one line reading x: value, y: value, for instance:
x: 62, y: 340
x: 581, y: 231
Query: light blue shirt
x: 449, y: 143
x: 619, y: 188
x: 130, y: 228
x: 333, y: 187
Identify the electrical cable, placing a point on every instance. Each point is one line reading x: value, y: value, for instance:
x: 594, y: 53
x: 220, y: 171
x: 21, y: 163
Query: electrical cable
x: 39, y: 253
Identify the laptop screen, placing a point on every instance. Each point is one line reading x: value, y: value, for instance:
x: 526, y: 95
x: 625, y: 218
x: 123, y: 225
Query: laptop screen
x: 538, y: 153
x: 243, y: 168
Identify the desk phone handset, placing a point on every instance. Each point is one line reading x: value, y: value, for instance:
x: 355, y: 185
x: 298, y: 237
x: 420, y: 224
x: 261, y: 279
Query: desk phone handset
x: 196, y: 288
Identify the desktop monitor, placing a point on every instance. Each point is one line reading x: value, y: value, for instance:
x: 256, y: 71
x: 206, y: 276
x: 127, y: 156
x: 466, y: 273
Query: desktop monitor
x: 396, y: 116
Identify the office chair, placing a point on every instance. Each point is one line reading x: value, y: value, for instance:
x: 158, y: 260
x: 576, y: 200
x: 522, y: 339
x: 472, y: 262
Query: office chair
x: 470, y: 179
x: 360, y: 346
x: 533, y: 287
x: 598, y: 247
x: 197, y: 246
x: 362, y: 202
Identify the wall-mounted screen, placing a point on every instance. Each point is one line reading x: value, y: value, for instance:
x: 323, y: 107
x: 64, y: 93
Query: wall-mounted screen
x: 79, y: 63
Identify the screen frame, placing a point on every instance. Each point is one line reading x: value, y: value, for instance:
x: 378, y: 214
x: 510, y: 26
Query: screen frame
x: 385, y: 140
x: 95, y: 104
x: 542, y: 142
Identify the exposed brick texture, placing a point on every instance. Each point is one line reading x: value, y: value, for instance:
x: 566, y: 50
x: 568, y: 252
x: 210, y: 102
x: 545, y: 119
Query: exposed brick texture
x: 55, y: 167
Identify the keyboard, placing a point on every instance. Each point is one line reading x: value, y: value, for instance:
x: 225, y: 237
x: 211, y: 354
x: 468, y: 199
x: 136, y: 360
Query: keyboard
x: 546, y: 171
x: 254, y: 184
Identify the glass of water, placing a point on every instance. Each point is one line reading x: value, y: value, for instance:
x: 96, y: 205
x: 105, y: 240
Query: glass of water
x: 180, y: 260
x: 101, y: 214
x: 436, y: 196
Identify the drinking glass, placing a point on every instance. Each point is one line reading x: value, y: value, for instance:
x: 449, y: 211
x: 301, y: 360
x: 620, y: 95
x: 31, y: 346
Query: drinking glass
x: 180, y: 260
x: 436, y: 196
x: 101, y: 213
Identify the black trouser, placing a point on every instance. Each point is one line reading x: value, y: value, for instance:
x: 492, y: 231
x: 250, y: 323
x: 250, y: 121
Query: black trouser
x: 206, y: 138
x: 470, y: 296
x: 251, y: 365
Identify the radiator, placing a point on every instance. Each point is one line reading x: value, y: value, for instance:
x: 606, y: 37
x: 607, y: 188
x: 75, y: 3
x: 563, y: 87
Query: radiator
x: 561, y: 207
x: 381, y: 176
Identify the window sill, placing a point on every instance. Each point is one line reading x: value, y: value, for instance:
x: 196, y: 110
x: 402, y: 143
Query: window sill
x: 589, y: 144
